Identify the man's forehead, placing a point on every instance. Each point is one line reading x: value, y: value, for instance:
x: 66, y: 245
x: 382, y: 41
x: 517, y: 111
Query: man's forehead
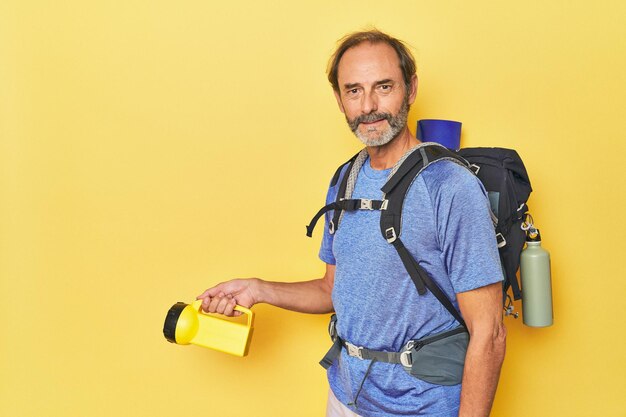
x: 369, y: 62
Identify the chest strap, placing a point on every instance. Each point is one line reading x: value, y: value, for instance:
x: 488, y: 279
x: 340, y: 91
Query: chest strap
x: 346, y: 205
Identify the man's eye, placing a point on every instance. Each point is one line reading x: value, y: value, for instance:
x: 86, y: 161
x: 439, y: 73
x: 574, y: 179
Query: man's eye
x: 353, y: 91
x: 385, y: 87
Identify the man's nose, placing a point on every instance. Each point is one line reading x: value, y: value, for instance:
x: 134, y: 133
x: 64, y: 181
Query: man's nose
x: 369, y: 103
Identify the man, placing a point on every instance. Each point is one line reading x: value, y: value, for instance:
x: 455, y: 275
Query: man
x: 446, y: 226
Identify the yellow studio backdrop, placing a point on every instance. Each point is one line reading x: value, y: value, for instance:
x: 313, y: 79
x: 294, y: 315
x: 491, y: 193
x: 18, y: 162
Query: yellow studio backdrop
x: 151, y: 149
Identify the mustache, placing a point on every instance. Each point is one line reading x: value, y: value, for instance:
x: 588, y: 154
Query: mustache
x: 369, y: 118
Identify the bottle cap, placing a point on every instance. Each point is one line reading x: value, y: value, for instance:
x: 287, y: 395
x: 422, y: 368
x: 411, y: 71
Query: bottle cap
x: 533, y: 235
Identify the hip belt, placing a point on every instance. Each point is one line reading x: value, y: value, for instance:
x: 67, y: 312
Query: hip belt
x: 437, y: 359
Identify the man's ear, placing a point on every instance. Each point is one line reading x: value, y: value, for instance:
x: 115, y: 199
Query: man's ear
x: 339, y: 103
x: 413, y: 88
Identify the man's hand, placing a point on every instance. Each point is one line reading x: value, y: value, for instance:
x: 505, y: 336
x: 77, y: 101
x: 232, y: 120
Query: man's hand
x: 305, y: 296
x: 224, y: 297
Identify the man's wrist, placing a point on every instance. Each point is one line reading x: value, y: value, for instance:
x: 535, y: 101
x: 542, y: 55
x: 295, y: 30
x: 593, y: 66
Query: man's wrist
x: 258, y: 290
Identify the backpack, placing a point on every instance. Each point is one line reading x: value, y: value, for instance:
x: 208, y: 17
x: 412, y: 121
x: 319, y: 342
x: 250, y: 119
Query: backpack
x: 501, y: 172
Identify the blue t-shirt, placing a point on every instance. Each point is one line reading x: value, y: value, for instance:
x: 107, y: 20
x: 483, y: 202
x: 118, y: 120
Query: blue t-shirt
x: 447, y: 227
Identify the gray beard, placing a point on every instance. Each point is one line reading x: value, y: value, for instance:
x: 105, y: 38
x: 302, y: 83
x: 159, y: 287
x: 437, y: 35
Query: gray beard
x: 396, y: 124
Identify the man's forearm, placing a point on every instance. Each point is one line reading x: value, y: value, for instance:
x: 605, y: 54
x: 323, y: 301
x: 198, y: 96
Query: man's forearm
x: 304, y: 297
x: 483, y: 362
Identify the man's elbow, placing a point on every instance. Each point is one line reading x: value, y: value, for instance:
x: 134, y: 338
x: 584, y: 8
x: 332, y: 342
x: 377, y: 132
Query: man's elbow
x: 491, y: 340
x: 499, y: 341
x: 496, y: 341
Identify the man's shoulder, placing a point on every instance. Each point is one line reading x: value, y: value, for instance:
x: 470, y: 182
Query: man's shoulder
x: 448, y: 183
x: 448, y: 175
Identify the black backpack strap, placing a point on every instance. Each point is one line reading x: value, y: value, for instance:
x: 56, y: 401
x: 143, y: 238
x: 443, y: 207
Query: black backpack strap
x: 332, y: 354
x: 391, y: 219
x: 346, y: 205
x: 509, y: 256
x: 320, y: 213
x: 396, y: 187
x: 341, y: 193
x: 343, y: 188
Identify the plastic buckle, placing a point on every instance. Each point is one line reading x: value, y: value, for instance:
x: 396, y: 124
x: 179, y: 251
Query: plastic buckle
x: 354, y: 351
x: 390, y: 235
x: 331, y: 227
x: 332, y: 328
x: 501, y: 240
x: 475, y: 168
x: 384, y: 205
x: 405, y: 356
x: 366, y: 204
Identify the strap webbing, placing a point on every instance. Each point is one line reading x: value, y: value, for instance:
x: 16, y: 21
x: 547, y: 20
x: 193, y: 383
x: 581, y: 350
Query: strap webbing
x: 320, y: 213
x: 332, y: 354
x: 367, y: 372
x: 427, y: 154
x: 377, y: 355
x: 346, y: 205
x: 341, y: 192
x: 517, y: 292
x: 364, y: 353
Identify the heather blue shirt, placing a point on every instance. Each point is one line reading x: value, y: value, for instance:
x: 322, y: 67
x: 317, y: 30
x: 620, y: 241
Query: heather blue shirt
x: 447, y: 227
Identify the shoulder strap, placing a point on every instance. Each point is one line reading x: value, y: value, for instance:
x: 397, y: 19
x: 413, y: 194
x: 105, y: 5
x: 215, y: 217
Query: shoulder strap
x: 345, y: 188
x: 396, y: 187
x: 391, y: 219
x: 341, y: 194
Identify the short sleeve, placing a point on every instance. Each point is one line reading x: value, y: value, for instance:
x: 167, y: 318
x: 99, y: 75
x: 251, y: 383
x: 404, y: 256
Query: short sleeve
x: 466, y: 232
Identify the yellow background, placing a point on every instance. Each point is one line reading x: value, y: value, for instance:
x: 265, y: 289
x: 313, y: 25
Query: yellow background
x: 151, y: 149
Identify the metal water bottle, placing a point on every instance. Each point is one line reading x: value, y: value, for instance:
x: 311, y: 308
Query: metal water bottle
x: 536, y: 282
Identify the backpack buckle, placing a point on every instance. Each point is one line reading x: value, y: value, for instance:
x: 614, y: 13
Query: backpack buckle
x: 501, y: 240
x: 354, y: 351
x: 366, y: 204
x: 474, y: 168
x: 405, y: 356
x: 390, y: 235
x: 332, y: 327
x: 331, y: 227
